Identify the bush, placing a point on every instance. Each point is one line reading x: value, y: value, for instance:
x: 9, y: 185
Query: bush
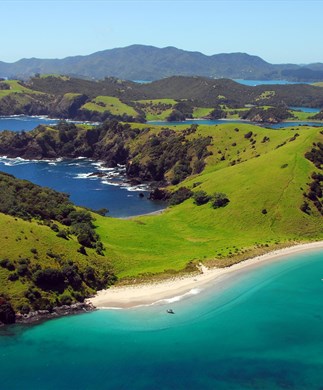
x: 6, y: 263
x: 180, y: 196
x: 49, y: 279
x: 219, y: 200
x: 305, y: 207
x: 65, y: 299
x: 7, y: 314
x: 200, y: 197
x: 22, y: 269
x: 13, y: 277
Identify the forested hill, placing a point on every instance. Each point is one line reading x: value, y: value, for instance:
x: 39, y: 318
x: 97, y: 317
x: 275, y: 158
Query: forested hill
x: 72, y: 98
x: 140, y: 62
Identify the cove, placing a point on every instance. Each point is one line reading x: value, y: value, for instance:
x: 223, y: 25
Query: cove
x: 260, y: 329
x: 112, y: 191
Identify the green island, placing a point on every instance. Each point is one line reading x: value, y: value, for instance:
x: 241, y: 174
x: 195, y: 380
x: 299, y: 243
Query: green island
x: 233, y: 190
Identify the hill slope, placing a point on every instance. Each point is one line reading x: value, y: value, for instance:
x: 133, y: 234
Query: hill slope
x: 47, y: 258
x: 266, y: 191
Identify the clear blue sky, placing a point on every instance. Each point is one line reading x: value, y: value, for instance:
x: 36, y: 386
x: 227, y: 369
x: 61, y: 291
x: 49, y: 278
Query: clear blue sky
x: 276, y: 30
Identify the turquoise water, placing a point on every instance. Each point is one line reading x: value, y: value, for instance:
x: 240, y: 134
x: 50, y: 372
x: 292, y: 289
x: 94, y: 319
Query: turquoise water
x: 253, y: 83
x: 224, y: 121
x: 257, y: 330
x: 306, y: 109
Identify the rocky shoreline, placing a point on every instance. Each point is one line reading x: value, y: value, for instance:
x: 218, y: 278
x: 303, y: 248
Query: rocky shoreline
x: 59, y: 311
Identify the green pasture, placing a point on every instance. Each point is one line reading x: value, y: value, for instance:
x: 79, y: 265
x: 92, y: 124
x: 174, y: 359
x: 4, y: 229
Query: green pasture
x: 273, y: 179
x: 111, y: 104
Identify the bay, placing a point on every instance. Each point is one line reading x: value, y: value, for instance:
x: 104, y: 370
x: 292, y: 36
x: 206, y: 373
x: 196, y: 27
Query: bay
x: 75, y: 177
x: 260, y: 329
x: 24, y: 123
x: 113, y: 191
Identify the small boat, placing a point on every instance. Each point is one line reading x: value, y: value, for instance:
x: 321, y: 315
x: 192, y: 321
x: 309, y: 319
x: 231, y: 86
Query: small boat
x: 170, y: 311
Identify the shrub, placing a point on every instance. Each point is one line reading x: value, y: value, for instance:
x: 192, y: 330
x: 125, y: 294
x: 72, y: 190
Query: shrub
x: 200, y: 197
x: 180, y: 196
x: 49, y: 279
x: 305, y: 207
x: 13, y: 277
x: 219, y: 200
x: 65, y: 299
x: 7, y: 314
x: 22, y: 269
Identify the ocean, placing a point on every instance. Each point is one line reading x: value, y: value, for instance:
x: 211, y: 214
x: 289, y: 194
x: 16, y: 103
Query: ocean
x: 260, y: 329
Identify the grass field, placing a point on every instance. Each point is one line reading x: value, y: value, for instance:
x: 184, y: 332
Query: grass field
x: 157, y: 109
x: 21, y: 239
x: 302, y: 116
x: 111, y: 104
x: 270, y: 177
x: 201, y: 112
x: 16, y: 87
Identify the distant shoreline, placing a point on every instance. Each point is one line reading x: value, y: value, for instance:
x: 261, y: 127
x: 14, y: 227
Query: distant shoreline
x: 124, y: 297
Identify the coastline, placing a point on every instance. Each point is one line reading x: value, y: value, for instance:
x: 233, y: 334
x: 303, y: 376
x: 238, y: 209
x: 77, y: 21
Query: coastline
x: 126, y: 297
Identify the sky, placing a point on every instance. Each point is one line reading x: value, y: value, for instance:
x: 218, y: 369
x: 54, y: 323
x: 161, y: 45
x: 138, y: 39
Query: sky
x: 276, y: 30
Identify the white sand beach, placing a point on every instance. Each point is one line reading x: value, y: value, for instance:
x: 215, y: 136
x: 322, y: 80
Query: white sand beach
x: 148, y: 293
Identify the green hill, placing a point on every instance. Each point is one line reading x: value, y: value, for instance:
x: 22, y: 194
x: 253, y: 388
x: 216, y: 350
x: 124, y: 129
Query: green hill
x: 271, y: 181
x: 265, y: 188
x: 50, y: 254
x: 173, y: 98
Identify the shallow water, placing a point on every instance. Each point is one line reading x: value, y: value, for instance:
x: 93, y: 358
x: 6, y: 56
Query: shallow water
x: 260, y: 329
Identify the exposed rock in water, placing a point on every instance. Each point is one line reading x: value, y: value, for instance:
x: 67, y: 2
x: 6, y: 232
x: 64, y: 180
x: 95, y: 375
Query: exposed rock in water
x: 59, y: 311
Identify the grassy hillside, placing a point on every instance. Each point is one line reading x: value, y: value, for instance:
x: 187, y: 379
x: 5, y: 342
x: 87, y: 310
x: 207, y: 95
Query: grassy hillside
x: 13, y: 86
x: 46, y: 257
x: 111, y: 104
x: 156, y: 109
x: 265, y: 190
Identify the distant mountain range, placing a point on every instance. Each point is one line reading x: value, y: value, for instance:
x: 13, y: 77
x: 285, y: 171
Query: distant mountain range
x: 140, y: 62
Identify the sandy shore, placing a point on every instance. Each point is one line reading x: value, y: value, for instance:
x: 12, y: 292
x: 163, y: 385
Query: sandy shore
x: 142, y: 294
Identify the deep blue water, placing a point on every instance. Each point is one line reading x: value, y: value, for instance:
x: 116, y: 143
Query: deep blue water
x: 261, y: 329
x: 74, y: 177
x: 24, y: 123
